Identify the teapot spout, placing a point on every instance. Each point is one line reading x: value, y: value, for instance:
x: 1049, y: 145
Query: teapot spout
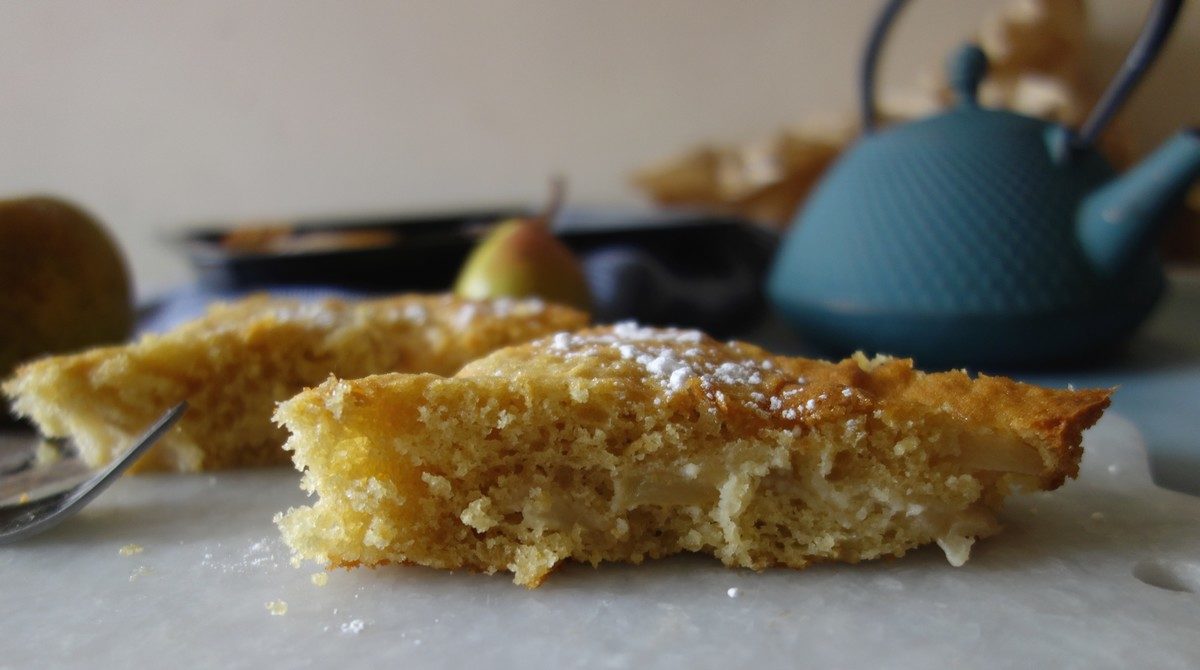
x: 1120, y: 220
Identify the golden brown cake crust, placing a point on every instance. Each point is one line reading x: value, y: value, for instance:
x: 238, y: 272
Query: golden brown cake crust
x: 1054, y: 418
x: 233, y: 364
x: 624, y: 443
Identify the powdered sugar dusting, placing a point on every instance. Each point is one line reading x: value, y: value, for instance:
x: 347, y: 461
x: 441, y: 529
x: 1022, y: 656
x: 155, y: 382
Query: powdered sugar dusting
x: 266, y: 554
x: 317, y: 313
x: 668, y: 366
x: 503, y: 307
x: 465, y: 315
x: 630, y: 339
x: 499, y: 308
x: 746, y: 372
x: 661, y: 355
x: 413, y: 312
x: 679, y: 378
x: 561, y: 341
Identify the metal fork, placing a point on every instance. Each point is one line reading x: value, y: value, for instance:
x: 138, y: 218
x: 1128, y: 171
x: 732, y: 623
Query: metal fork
x: 31, y: 517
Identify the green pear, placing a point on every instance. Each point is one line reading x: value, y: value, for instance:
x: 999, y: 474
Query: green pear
x: 519, y: 258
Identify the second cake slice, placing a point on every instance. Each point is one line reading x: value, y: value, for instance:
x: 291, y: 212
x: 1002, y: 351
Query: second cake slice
x: 236, y: 362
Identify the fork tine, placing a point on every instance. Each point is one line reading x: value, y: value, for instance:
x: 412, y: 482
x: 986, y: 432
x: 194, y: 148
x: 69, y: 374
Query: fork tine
x: 23, y: 521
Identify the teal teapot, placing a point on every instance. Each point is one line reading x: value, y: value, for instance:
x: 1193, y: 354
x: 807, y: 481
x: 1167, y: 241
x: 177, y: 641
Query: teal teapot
x: 981, y: 237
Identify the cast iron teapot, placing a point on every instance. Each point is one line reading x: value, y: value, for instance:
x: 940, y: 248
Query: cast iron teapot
x: 980, y: 237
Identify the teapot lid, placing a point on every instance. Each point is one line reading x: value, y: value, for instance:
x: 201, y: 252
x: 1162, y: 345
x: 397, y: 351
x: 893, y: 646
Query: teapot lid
x: 968, y: 66
x: 966, y: 69
x: 990, y: 129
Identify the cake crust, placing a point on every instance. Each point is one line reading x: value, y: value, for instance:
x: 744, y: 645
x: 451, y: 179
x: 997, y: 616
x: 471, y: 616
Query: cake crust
x: 624, y: 443
x: 233, y: 364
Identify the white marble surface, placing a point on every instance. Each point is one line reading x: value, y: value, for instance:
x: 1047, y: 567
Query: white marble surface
x: 1064, y: 586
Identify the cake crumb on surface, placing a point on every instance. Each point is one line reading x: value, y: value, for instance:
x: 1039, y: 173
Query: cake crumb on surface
x: 733, y: 592
x: 277, y: 607
x: 47, y: 453
x: 320, y: 578
x: 131, y: 549
x: 139, y: 571
x: 353, y: 627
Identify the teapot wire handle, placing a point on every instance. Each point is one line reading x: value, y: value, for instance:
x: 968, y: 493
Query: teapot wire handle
x: 1141, y: 55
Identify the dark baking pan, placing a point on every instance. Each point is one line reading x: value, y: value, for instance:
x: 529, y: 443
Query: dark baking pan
x: 681, y: 269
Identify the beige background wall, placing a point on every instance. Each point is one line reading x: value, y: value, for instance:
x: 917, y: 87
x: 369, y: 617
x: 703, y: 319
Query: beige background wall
x: 158, y: 114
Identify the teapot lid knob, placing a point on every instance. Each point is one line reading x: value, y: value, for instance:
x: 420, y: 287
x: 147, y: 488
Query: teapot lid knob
x: 966, y: 68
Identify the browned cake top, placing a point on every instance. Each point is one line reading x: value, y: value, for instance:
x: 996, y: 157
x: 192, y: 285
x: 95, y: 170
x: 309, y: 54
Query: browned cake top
x: 669, y: 365
x: 439, y: 319
x: 752, y: 389
x: 442, y: 310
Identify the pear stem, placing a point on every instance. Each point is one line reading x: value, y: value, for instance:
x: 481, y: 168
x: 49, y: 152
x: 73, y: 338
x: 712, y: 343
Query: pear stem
x: 558, y: 194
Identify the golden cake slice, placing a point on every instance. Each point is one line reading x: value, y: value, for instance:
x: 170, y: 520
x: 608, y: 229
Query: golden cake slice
x: 622, y: 443
x: 233, y: 364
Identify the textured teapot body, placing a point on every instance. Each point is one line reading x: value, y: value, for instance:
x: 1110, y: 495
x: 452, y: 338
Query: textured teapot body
x: 979, y: 237
x: 955, y: 240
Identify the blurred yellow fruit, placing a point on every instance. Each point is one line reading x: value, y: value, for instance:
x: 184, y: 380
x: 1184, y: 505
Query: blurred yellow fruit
x: 65, y: 284
x: 519, y: 258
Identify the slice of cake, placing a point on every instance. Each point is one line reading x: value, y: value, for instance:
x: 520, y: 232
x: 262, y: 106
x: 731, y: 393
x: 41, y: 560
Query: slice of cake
x: 236, y: 362
x: 622, y: 443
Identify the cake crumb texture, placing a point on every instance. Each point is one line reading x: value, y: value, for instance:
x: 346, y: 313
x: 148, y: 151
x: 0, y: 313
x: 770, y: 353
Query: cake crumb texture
x: 624, y: 443
x: 233, y: 364
x: 131, y: 550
